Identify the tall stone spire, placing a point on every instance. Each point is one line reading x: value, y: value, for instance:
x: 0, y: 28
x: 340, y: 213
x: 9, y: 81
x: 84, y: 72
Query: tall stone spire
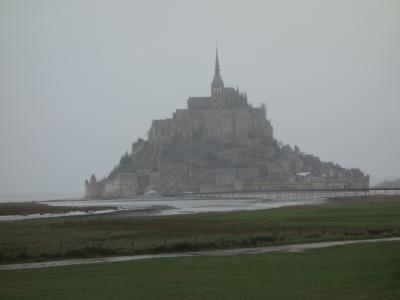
x: 216, y: 61
x: 217, y: 85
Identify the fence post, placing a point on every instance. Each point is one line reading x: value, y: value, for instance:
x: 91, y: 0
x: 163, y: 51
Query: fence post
x: 132, y: 247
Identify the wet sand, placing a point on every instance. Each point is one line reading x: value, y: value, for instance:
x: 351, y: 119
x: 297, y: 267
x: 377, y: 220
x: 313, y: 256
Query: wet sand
x: 240, y: 251
x: 158, y: 206
x: 80, y: 211
x: 154, y: 207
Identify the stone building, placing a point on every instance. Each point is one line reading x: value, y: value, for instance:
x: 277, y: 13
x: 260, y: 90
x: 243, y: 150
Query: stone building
x: 93, y: 188
x: 218, y: 143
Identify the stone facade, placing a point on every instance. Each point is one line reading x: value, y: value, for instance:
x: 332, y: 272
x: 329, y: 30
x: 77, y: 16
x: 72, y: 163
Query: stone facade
x: 218, y: 143
x: 124, y: 185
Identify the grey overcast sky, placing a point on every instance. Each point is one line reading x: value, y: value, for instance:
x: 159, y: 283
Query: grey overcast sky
x: 80, y: 80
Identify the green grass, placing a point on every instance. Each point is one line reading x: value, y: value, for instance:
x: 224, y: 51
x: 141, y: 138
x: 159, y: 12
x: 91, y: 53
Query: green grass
x: 365, y: 271
x: 33, y: 240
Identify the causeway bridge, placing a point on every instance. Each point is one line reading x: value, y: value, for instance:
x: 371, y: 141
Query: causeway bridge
x: 290, y: 194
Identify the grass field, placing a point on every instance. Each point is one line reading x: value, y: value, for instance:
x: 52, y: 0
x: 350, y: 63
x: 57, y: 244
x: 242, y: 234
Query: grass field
x: 366, y: 271
x: 36, y: 240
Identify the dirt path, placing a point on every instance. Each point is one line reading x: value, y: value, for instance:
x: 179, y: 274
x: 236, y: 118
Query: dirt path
x: 256, y: 250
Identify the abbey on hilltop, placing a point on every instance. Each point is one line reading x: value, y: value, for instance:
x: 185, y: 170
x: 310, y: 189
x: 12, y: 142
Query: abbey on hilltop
x: 219, y: 143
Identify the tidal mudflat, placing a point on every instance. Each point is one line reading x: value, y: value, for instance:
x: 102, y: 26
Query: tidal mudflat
x: 155, y: 206
x: 123, y: 234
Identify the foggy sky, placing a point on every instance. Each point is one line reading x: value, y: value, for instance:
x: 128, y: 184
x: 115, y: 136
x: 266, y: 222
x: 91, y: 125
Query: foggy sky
x: 81, y: 80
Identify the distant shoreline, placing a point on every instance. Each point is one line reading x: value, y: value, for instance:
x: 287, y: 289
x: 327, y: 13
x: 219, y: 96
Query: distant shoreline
x: 5, y: 198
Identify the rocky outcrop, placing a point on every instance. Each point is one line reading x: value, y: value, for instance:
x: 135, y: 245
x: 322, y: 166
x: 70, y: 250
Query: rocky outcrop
x: 219, y: 143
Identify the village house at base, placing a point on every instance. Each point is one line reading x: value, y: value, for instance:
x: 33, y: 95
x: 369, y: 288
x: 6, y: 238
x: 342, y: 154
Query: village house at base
x: 219, y: 143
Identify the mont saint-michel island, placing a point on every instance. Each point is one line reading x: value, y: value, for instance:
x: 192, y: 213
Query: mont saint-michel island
x: 219, y: 143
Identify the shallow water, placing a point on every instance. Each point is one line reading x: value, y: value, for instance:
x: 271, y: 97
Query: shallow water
x: 239, y: 251
x: 156, y: 205
x: 168, y: 206
x: 174, y: 206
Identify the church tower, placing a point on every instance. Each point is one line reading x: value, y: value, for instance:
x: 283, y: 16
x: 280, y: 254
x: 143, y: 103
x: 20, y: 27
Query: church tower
x: 217, y: 85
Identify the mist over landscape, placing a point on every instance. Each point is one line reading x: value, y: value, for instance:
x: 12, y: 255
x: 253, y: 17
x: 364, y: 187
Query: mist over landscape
x: 81, y: 80
x: 200, y: 149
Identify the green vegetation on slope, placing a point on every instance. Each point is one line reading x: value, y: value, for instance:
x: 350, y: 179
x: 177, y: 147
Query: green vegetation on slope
x: 365, y: 271
x: 45, y: 239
